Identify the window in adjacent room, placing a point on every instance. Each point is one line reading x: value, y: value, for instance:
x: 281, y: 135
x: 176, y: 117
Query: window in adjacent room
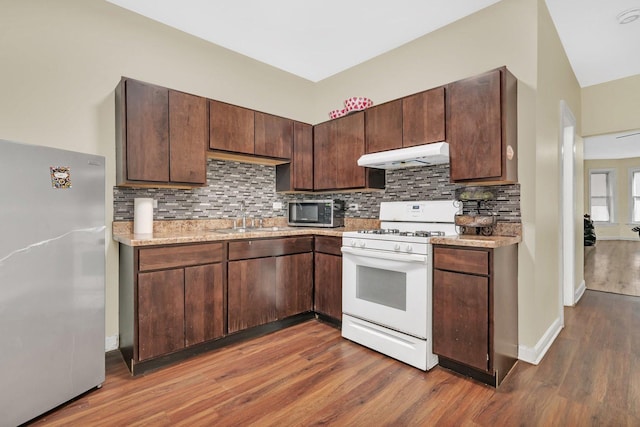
x: 601, y: 195
x: 634, y: 186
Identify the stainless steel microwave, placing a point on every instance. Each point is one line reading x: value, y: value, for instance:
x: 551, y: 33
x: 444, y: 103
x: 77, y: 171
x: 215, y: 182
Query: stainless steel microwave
x: 316, y: 213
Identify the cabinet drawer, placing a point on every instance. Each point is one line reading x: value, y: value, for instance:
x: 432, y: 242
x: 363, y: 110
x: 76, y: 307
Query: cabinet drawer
x: 328, y: 245
x: 246, y: 249
x: 179, y: 256
x: 462, y: 260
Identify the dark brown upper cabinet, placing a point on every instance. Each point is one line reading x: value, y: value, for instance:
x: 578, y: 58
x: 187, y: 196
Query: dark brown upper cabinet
x: 297, y: 175
x: 423, y: 118
x: 482, y: 128
x: 241, y: 131
x: 302, y: 162
x: 160, y: 135
x: 383, y: 126
x: 413, y: 120
x: 337, y: 146
x: 231, y: 128
x: 273, y: 136
x: 187, y: 138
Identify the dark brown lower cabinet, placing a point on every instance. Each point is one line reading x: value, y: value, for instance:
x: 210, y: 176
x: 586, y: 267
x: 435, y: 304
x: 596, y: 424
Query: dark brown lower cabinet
x: 462, y: 313
x: 475, y: 310
x: 328, y: 277
x: 252, y: 294
x: 171, y: 298
x: 160, y: 312
x: 204, y: 303
x: 294, y: 284
x: 178, y: 300
x: 178, y: 308
x: 269, y: 279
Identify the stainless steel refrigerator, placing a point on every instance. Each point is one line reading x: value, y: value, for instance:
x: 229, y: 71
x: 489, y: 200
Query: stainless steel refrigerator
x: 52, y: 278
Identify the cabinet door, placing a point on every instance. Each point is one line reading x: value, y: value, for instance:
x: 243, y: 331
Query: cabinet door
x: 188, y: 138
x: 203, y: 305
x: 383, y: 124
x: 231, y: 128
x: 251, y: 293
x: 325, y: 156
x: 294, y: 284
x: 349, y: 146
x: 423, y: 117
x: 273, y: 136
x: 302, y: 161
x: 461, y: 318
x: 328, y: 285
x: 474, y: 127
x: 147, y: 132
x: 160, y: 312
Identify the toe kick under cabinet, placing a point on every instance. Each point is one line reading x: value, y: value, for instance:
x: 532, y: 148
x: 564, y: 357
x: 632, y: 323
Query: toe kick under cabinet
x: 475, y: 310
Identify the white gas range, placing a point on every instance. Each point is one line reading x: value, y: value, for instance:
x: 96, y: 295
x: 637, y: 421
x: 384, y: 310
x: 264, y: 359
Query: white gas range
x: 387, y: 280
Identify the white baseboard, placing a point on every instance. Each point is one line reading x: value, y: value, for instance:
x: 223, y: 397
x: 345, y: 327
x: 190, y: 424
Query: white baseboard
x: 535, y: 354
x: 579, y: 292
x: 111, y: 343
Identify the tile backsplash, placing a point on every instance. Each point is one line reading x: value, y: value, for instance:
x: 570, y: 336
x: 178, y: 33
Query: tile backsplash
x: 231, y: 182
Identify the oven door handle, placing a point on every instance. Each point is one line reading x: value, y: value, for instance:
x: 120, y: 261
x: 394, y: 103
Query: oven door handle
x: 385, y: 255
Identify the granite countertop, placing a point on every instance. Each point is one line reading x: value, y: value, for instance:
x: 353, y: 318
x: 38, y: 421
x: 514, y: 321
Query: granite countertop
x: 197, y: 231
x: 168, y: 238
x: 477, y: 241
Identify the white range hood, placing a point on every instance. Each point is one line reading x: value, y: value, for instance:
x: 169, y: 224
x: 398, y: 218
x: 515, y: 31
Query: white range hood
x: 420, y: 155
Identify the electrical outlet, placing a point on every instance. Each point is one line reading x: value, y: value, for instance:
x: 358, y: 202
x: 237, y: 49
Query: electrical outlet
x: 277, y: 206
x: 353, y: 207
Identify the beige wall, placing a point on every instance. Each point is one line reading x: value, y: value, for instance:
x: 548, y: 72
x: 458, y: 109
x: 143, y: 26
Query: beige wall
x: 62, y: 60
x: 611, y: 107
x: 67, y: 56
x: 621, y: 227
x: 467, y: 47
x: 556, y: 82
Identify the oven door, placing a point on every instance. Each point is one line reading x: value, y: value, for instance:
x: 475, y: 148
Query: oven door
x: 388, y: 289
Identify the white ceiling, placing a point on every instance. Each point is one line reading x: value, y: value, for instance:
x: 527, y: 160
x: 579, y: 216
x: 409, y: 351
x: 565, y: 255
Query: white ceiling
x: 311, y: 39
x: 317, y: 39
x: 598, y: 47
x: 613, y: 146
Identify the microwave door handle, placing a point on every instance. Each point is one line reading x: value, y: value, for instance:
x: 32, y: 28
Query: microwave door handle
x: 384, y: 255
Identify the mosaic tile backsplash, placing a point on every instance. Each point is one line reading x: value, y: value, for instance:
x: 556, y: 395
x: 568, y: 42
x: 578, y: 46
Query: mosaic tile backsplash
x: 230, y: 182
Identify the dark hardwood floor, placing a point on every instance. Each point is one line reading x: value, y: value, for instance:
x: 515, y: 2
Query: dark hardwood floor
x: 613, y: 266
x: 308, y: 375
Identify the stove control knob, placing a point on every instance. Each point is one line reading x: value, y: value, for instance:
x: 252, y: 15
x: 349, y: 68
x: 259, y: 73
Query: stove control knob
x: 409, y: 248
x: 353, y: 243
x: 361, y: 243
x: 396, y: 247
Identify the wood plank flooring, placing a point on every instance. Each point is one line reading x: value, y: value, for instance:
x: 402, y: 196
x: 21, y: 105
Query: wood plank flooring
x: 308, y: 375
x: 613, y: 266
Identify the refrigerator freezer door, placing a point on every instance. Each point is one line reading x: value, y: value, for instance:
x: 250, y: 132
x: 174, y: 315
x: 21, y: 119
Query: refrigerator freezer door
x: 52, y: 278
